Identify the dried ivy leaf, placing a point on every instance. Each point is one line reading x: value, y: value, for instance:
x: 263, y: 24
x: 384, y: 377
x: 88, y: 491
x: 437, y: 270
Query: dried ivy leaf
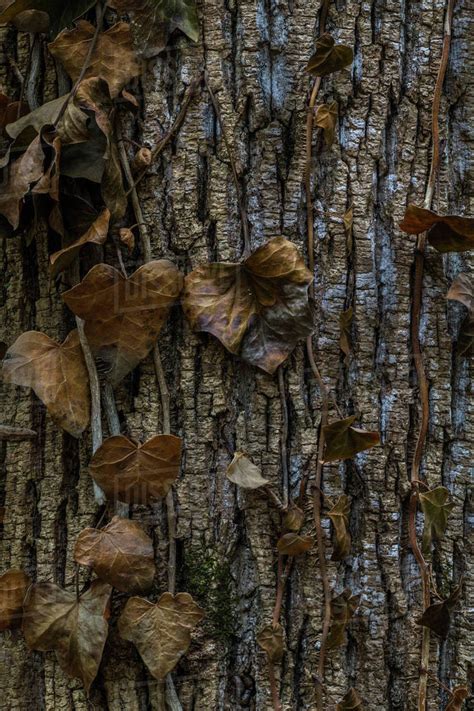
x: 23, y: 174
x: 345, y: 324
x: 329, y: 57
x: 294, y: 544
x: 161, y: 632
x: 293, y: 519
x: 13, y: 586
x: 61, y: 13
x: 113, y: 58
x: 127, y: 238
x: 458, y: 695
x: 438, y: 615
x: 96, y: 234
x: 34, y: 21
x: 326, y: 118
x: 343, y: 607
x: 56, y: 372
x: 436, y: 507
x: 10, y: 111
x: 137, y: 473
x: 121, y: 554
x: 258, y: 309
x: 344, y: 441
x: 462, y: 290
x: 123, y: 317
x: 446, y: 233
x: 54, y: 620
x: 153, y: 21
x: 350, y: 701
x: 72, y: 128
x: 244, y: 473
x: 339, y: 516
x: 270, y: 639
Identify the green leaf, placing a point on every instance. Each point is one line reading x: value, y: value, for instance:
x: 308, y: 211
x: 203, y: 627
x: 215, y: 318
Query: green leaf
x: 436, y: 507
x: 61, y: 13
x: 344, y: 441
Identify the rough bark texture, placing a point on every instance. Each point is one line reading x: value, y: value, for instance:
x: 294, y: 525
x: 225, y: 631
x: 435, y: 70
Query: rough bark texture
x: 254, y: 52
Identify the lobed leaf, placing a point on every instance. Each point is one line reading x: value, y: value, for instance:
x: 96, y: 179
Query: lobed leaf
x: 329, y: 57
x: 351, y: 700
x: 438, y: 615
x: 343, y: 607
x: 339, y: 516
x: 436, y: 507
x: 344, y: 441
x: 13, y: 588
x: 270, y: 639
x: 294, y: 544
x: 244, y: 473
x: 446, y: 233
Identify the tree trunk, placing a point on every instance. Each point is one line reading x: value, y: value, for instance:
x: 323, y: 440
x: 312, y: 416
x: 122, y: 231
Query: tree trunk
x: 254, y: 55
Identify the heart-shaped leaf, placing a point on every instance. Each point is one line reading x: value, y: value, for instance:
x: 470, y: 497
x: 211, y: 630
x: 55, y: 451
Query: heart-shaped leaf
x: 326, y: 117
x: 350, y: 701
x: 96, y: 234
x: 270, y: 639
x: 153, y: 21
x: 136, y: 473
x: 113, y: 58
x: 244, y: 473
x: 344, y: 441
x: 123, y: 317
x: 329, y: 57
x: 61, y: 13
x: 458, y: 695
x: 343, y: 607
x: 13, y: 586
x: 339, y: 516
x: 438, y: 615
x: 446, y: 233
x: 258, y: 309
x: 76, y: 629
x: 294, y: 544
x: 161, y: 632
x: 56, y: 372
x: 436, y: 506
x: 121, y: 554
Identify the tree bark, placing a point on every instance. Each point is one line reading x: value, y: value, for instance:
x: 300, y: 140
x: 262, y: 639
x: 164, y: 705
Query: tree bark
x: 254, y: 54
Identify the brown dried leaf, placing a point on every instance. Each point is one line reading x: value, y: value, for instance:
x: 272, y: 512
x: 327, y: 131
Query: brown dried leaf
x: 345, y: 324
x: 23, y: 174
x: 436, y: 507
x: 344, y: 441
x: 438, y: 615
x: 143, y: 158
x: 10, y: 111
x: 446, y: 233
x: 123, y: 317
x: 339, y: 516
x: 71, y: 129
x: 244, y: 473
x: 96, y: 234
x: 458, y: 695
x: 56, y: 372
x: 161, y: 632
x: 61, y: 13
x: 137, y: 473
x: 350, y: 701
x: 329, y: 57
x: 343, y: 607
x: 462, y: 290
x: 293, y: 519
x: 54, y: 620
x: 294, y: 544
x: 13, y: 587
x: 34, y: 21
x: 121, y: 554
x: 113, y: 58
x: 127, y: 238
x: 326, y: 118
x: 258, y: 309
x: 270, y: 639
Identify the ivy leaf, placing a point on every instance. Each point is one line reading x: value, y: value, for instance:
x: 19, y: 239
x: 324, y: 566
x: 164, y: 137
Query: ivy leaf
x: 270, y: 639
x: 458, y: 695
x: 121, y: 554
x: 343, y: 607
x: 56, y: 372
x: 462, y: 291
x: 123, y: 317
x: 33, y: 21
x: 113, y: 58
x: 244, y: 473
x: 96, y: 234
x: 153, y: 21
x: 350, y: 701
x: 326, y: 117
x: 294, y: 544
x: 61, y: 13
x: 438, y: 615
x: 161, y: 632
x: 344, y: 441
x: 293, y: 519
x: 345, y: 324
x: 446, y: 233
x: 258, y: 309
x: 13, y: 587
x: 329, y: 57
x: 24, y: 173
x: 436, y: 507
x: 137, y: 473
x: 9, y: 111
x: 339, y: 516
x: 76, y: 629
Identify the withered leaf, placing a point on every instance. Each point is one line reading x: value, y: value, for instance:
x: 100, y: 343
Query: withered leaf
x: 61, y: 13
x: 343, y: 607
x: 153, y: 21
x: 294, y: 544
x: 56, y: 372
x: 329, y: 57
x: 24, y: 173
x: 270, y: 639
x: 345, y: 324
x: 436, y: 506
x: 96, y: 234
x: 161, y: 632
x: 438, y: 615
x: 344, y: 441
x: 143, y: 158
x: 137, y: 473
x: 339, y: 516
x: 54, y: 620
x: 123, y: 317
x: 326, y: 117
x: 293, y: 519
x: 10, y: 111
x: 113, y: 58
x: 462, y: 290
x: 446, y: 233
x: 244, y: 473
x: 127, y: 238
x: 13, y: 586
x: 121, y: 554
x: 258, y: 309
x: 72, y: 127
x: 458, y: 696
x: 34, y: 21
x: 350, y: 701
